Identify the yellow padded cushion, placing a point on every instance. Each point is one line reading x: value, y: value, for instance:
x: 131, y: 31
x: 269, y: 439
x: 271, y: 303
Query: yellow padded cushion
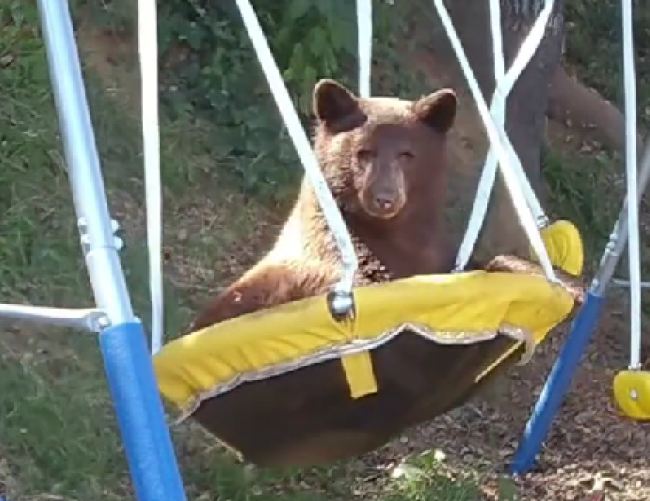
x: 459, y: 308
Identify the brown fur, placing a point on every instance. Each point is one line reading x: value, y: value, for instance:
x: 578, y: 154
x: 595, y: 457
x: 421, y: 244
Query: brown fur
x: 385, y: 162
x: 511, y: 264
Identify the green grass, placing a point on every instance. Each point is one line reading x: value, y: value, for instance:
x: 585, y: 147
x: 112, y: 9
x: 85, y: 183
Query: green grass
x: 58, y: 436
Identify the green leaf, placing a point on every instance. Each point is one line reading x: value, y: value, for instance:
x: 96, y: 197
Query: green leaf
x: 298, y: 8
x: 319, y: 42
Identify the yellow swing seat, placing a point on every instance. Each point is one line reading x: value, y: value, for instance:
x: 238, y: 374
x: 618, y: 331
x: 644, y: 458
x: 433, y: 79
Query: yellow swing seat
x: 292, y: 386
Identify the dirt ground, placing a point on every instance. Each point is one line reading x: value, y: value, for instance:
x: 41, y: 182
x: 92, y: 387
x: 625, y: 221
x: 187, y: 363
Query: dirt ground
x: 592, y: 453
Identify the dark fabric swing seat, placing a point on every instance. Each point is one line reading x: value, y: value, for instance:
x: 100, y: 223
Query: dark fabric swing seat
x: 292, y: 386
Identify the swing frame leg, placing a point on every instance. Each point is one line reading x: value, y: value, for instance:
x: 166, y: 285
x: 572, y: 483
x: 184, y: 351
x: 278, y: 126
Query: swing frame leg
x: 128, y: 366
x: 582, y: 328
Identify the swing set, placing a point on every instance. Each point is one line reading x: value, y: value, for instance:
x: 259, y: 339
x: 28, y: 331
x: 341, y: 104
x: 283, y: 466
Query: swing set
x: 477, y: 322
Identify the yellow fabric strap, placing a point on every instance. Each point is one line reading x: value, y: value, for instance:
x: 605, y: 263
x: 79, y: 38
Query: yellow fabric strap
x: 359, y: 374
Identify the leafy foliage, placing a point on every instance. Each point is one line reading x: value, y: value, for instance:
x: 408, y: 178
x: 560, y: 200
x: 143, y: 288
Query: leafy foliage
x: 209, y: 70
x: 212, y: 71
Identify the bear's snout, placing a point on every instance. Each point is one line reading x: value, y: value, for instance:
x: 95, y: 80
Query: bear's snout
x: 384, y: 202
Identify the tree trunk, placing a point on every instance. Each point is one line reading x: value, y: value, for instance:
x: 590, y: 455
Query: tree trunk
x: 527, y: 103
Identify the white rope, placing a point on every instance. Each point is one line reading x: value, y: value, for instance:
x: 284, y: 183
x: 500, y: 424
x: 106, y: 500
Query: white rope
x: 302, y: 145
x: 498, y: 140
x: 148, y: 52
x: 629, y: 83
x: 504, y: 83
x: 364, y: 31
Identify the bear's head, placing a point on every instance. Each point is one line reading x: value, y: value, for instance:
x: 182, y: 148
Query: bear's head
x: 381, y: 155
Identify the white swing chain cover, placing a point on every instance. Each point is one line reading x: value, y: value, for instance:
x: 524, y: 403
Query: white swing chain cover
x: 148, y: 52
x: 303, y: 147
x: 504, y: 83
x: 364, y: 29
x: 497, y: 139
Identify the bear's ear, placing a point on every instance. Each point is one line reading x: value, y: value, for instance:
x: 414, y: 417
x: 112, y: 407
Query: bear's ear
x: 333, y: 103
x: 437, y: 110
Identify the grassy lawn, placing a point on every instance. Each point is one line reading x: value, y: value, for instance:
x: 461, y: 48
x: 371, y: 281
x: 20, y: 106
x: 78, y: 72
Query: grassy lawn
x: 58, y: 436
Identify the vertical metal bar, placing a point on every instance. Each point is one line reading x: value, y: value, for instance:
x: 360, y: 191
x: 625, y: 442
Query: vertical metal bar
x: 629, y: 82
x: 556, y: 385
x: 128, y: 366
x: 98, y: 240
x: 568, y: 360
x: 618, y: 237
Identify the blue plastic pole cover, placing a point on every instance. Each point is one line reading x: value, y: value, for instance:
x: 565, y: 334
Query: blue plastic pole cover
x: 140, y: 414
x: 557, y: 384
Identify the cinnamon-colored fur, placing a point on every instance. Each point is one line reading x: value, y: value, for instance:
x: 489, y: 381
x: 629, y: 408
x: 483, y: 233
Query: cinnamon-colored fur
x: 386, y: 164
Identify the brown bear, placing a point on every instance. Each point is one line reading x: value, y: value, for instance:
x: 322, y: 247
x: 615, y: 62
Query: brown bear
x: 385, y: 162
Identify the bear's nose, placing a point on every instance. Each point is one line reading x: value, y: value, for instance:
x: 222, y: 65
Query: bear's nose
x: 384, y: 201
